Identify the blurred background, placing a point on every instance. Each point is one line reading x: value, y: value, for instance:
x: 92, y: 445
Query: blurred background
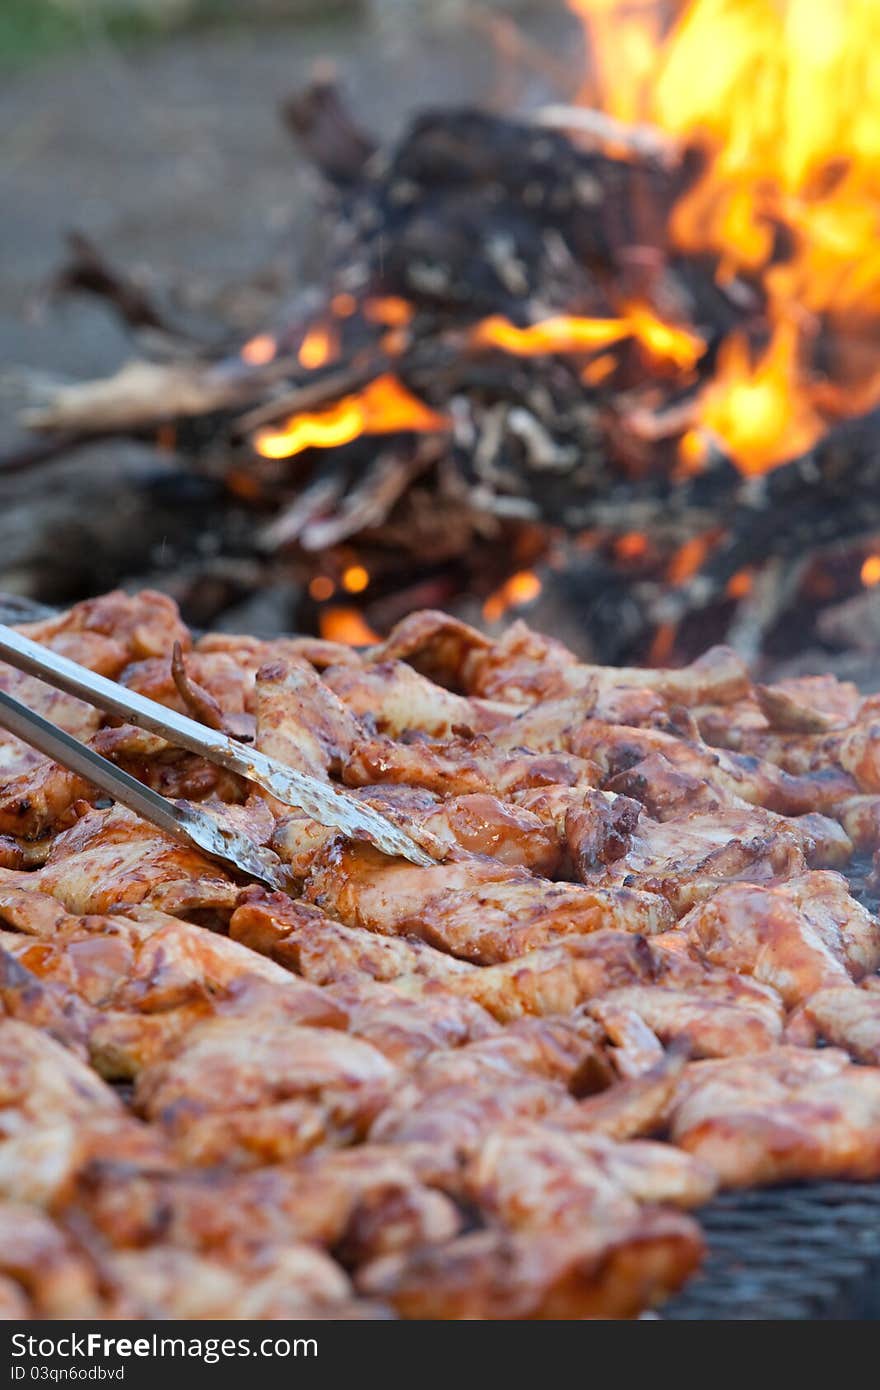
x: 609, y: 344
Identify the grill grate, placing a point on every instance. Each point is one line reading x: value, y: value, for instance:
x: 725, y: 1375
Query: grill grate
x: 810, y: 1252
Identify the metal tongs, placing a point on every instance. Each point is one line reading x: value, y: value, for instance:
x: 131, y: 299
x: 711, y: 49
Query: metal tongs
x: 325, y: 803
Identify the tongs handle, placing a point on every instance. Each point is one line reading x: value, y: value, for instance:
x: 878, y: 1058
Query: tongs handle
x: 325, y: 803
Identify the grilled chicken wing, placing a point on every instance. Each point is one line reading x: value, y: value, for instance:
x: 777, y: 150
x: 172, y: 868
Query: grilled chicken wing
x: 474, y: 909
x: 394, y: 699
x: 782, y: 1116
x: 604, y: 1272
x: 112, y: 858
x: 798, y: 936
x: 41, y: 1274
x: 40, y: 1078
x: 848, y: 1016
x: 529, y: 1176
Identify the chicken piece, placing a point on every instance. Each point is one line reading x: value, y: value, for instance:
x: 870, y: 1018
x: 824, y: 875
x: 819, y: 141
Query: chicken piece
x: 360, y: 1202
x: 306, y: 940
x: 254, y: 652
x: 112, y: 858
x: 547, y: 726
x: 227, y: 680
x: 49, y: 1007
x: 40, y: 1078
x: 148, y: 963
x: 631, y: 1108
x: 686, y: 861
x: 121, y: 1044
x: 781, y: 722
x: 788, y: 1115
x: 837, y: 701
x: 848, y: 1016
x: 526, y: 666
x: 633, y: 1047
x: 300, y: 721
x: 298, y: 840
x: 798, y: 936
x: 556, y: 979
x: 477, y: 824
x: 38, y: 1258
x: 533, y: 1177
x: 41, y: 799
x: 595, y: 827
x: 394, y: 699
x: 668, y: 794
x: 261, y: 1089
x: 142, y: 625
x: 605, y: 1272
x: 716, y: 1019
x: 860, y: 818
x: 553, y: 979
x: 15, y: 1306
x: 461, y: 766
x: 476, y: 909
x: 859, y: 752
x: 46, y: 1163
x: 407, y: 1027
x: 439, y: 646
x: 104, y: 634
x: 651, y: 1172
x: 456, y: 1097
x: 19, y: 760
x: 297, y: 1282
x: 616, y: 749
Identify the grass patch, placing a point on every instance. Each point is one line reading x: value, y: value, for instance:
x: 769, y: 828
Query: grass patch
x: 34, y: 30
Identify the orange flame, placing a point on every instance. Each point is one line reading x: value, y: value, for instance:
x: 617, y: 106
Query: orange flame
x: 390, y: 310
x: 346, y: 625
x: 317, y: 348
x: 517, y: 591
x: 259, y: 350
x: 383, y: 407
x: 759, y: 410
x: 623, y: 41
x: 567, y: 333
x: 871, y: 571
x: 355, y: 579
x: 321, y: 588
x: 781, y: 95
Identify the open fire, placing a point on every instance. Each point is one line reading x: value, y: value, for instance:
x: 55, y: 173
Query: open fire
x: 614, y: 353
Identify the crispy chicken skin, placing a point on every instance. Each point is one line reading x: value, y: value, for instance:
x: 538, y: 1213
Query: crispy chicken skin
x: 299, y: 719
x: 604, y: 1272
x: 474, y: 909
x: 481, y: 1089
x: 394, y: 699
x: 530, y: 1176
x: 785, y: 1115
x: 847, y: 1016
x: 798, y: 936
x: 112, y: 858
x: 39, y: 1078
x: 41, y: 1274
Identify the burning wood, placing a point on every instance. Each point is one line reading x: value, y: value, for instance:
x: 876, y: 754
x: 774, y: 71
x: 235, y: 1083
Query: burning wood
x: 539, y: 338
